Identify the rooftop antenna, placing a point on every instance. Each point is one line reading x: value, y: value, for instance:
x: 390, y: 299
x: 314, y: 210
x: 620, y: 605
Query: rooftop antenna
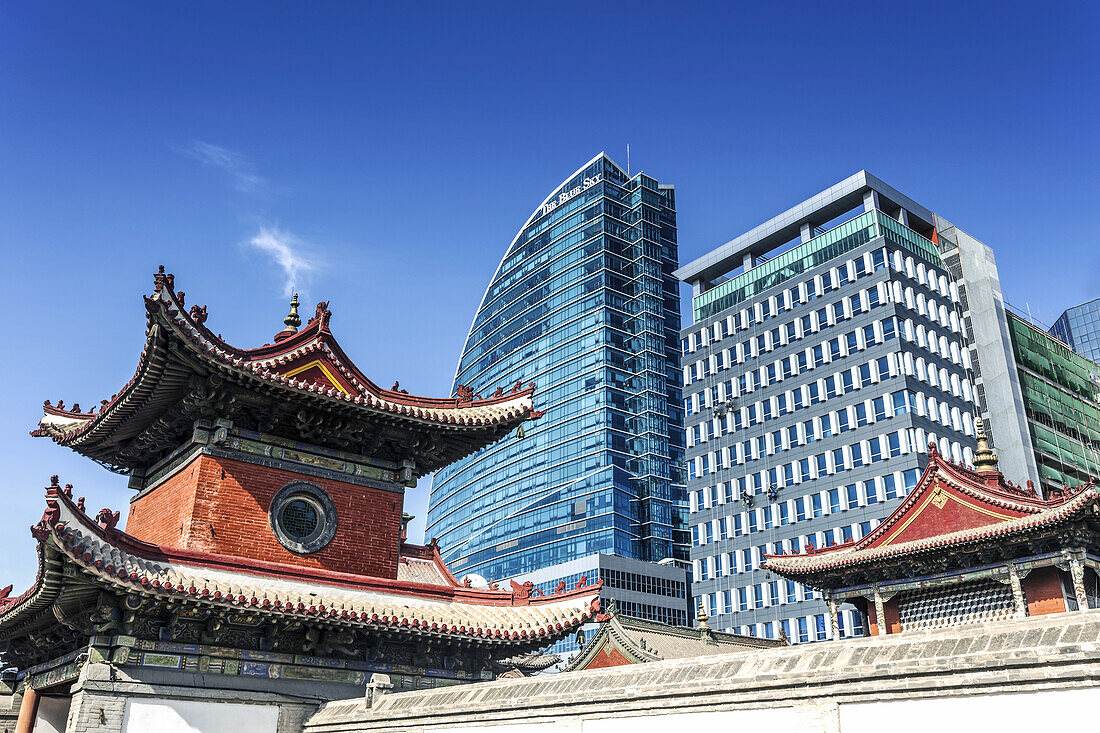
x: 628, y: 160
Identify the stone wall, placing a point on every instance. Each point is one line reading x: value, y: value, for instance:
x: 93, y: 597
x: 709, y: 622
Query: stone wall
x: 1008, y: 675
x: 104, y: 693
x: 9, y: 710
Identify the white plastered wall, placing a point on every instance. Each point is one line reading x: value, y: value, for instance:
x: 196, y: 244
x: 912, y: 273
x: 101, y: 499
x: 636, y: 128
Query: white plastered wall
x: 193, y: 716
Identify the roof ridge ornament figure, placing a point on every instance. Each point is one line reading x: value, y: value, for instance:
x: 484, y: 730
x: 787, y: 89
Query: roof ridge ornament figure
x: 292, y: 321
x: 984, y: 458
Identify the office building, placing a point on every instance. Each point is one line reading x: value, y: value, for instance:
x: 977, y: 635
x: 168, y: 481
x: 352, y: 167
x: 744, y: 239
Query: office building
x: 1079, y: 327
x: 1061, y: 395
x: 584, y: 305
x: 827, y: 352
x: 986, y: 326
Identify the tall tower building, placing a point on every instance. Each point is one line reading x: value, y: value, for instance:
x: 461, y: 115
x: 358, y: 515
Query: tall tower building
x: 827, y: 352
x: 585, y: 305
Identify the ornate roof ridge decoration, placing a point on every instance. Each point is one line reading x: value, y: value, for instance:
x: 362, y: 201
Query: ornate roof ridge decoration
x: 1012, y: 511
x: 128, y: 565
x: 529, y: 662
x: 178, y: 340
x: 59, y: 410
x: 623, y: 629
x: 316, y: 336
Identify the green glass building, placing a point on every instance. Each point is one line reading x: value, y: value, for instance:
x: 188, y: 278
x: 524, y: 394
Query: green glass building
x: 1061, y: 392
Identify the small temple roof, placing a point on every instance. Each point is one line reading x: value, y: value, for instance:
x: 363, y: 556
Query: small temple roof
x: 425, y: 599
x: 951, y: 508
x: 302, y: 367
x: 641, y: 641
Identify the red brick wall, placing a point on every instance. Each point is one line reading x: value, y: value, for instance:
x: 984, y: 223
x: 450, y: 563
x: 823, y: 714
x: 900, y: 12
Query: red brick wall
x: 1043, y: 592
x: 221, y: 506
x: 165, y: 519
x: 608, y: 656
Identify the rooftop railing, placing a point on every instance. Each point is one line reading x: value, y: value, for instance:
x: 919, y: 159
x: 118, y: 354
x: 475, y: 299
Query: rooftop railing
x: 827, y: 246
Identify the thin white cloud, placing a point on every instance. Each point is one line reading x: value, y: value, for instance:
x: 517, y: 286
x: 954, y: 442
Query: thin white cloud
x: 288, y: 252
x: 241, y: 172
x: 296, y: 258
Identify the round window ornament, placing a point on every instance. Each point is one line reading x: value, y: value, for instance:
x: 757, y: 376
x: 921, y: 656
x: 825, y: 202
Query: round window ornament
x: 303, y: 517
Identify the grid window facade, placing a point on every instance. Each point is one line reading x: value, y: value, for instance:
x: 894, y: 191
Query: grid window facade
x: 812, y: 389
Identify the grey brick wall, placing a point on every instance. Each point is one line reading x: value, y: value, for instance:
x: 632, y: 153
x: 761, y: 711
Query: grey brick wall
x: 806, y: 686
x: 100, y: 696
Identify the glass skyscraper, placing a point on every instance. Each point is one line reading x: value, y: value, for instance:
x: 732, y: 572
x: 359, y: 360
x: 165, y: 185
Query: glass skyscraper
x: 1079, y: 327
x: 583, y: 304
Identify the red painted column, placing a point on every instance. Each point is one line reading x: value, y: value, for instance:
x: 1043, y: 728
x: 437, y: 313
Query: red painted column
x: 28, y: 711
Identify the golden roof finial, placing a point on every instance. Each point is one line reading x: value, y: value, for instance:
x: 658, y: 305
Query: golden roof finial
x: 292, y: 321
x: 984, y: 458
x: 702, y: 617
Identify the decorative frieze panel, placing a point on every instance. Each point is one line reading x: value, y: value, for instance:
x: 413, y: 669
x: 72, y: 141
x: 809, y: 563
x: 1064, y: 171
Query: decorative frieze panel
x: 979, y: 602
x: 128, y: 651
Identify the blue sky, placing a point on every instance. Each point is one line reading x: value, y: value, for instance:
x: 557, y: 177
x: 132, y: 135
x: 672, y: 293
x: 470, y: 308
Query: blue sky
x: 383, y: 157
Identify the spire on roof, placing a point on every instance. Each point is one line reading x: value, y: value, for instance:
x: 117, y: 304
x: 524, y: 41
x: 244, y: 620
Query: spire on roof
x: 292, y: 321
x: 984, y: 458
x: 702, y: 617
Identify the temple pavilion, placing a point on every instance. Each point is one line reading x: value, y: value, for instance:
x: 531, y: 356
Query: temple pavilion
x: 264, y: 563
x: 965, y: 546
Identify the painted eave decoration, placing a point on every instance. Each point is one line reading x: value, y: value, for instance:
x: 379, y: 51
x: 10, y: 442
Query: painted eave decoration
x: 428, y: 602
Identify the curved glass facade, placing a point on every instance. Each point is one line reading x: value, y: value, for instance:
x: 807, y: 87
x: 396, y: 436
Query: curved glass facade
x: 584, y: 305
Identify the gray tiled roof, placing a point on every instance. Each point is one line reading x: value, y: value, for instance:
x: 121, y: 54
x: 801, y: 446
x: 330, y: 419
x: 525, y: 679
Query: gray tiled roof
x: 676, y: 642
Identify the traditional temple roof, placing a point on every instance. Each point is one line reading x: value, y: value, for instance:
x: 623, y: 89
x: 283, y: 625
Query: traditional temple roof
x: 952, y: 508
x: 425, y: 600
x: 639, y: 640
x: 185, y: 369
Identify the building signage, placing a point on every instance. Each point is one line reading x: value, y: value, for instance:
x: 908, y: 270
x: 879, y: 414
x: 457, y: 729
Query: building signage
x: 566, y: 195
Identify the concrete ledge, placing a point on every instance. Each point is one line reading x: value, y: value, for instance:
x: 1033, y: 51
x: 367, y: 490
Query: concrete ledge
x: 1046, y: 653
